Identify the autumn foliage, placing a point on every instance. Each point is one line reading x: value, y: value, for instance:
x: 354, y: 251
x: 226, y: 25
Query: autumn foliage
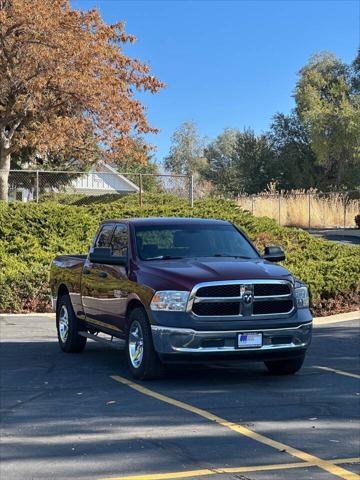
x: 65, y: 83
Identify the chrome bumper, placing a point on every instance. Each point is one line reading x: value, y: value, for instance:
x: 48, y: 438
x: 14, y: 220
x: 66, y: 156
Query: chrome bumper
x: 183, y: 340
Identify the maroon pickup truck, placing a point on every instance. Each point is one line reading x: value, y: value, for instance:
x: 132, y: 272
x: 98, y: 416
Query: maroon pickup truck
x: 181, y: 289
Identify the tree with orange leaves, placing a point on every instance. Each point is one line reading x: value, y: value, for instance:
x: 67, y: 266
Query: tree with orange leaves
x: 66, y: 84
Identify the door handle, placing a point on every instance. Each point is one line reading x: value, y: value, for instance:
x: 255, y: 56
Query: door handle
x: 86, y: 271
x: 102, y: 274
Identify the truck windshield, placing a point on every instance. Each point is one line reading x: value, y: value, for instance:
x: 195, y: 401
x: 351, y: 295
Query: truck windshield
x: 190, y: 241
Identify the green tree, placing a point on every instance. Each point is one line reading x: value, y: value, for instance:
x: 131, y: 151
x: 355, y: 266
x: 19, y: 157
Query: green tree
x: 140, y: 160
x: 239, y: 162
x: 186, y: 154
x: 255, y: 161
x: 328, y: 102
x: 294, y: 163
x: 222, y: 160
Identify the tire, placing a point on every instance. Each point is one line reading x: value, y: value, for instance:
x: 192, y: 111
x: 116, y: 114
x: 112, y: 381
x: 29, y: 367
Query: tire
x: 68, y: 327
x: 287, y: 366
x: 143, y: 361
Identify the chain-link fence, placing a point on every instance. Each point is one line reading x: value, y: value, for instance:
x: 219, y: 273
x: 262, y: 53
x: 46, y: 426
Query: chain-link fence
x: 39, y: 185
x: 301, y: 209
x: 307, y: 210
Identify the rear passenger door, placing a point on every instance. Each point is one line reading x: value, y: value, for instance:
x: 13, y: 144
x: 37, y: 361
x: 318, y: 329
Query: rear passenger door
x: 112, y: 285
x: 92, y: 281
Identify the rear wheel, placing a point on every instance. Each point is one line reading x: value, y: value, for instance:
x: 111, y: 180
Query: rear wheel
x: 143, y: 361
x: 68, y: 327
x: 287, y: 366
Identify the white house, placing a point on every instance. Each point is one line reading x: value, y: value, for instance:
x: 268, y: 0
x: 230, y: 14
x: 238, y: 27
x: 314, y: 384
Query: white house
x: 108, y: 180
x: 94, y: 182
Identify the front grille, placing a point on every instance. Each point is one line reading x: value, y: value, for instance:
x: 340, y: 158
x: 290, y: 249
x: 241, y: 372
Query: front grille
x: 219, y: 291
x: 272, y: 307
x: 271, y: 289
x: 227, y: 299
x: 216, y: 309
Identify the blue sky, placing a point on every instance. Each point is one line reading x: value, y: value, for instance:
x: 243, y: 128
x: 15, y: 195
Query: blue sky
x: 228, y: 63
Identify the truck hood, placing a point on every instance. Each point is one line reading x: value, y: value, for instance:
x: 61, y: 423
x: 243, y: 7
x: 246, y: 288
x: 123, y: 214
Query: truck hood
x: 183, y: 274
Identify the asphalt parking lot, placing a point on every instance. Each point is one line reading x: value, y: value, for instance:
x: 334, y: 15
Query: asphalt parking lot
x: 350, y: 236
x: 81, y: 417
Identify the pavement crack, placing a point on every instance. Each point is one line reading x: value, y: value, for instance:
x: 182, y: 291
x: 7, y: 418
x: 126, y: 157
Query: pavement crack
x: 10, y: 410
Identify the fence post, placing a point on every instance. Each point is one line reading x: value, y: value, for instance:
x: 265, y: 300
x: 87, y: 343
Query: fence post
x: 252, y: 204
x: 279, y: 208
x: 37, y: 186
x: 309, y: 209
x: 191, y: 191
x: 345, y: 202
x: 140, y: 189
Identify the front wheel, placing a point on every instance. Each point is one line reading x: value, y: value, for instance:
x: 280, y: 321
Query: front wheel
x: 143, y: 361
x: 68, y: 327
x: 287, y: 366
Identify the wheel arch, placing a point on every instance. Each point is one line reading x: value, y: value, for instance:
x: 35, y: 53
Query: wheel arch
x: 134, y: 303
x: 61, y: 291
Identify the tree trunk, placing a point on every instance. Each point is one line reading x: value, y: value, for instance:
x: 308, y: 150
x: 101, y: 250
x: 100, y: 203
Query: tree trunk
x: 4, y: 171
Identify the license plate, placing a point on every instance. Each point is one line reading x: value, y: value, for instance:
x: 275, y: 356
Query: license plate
x: 249, y: 340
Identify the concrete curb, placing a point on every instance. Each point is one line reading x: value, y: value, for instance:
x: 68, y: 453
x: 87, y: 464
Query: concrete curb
x: 318, y: 321
x: 14, y: 315
x: 339, y: 317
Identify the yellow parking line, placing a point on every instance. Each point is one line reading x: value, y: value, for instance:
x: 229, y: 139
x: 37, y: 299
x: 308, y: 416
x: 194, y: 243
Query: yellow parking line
x: 307, y: 457
x: 339, y: 372
x: 219, y: 471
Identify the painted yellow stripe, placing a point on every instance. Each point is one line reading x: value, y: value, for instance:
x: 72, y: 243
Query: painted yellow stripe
x: 219, y: 471
x: 339, y: 372
x: 307, y: 457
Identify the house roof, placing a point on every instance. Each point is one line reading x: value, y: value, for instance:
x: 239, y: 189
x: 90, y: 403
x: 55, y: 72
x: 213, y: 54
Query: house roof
x: 105, y: 167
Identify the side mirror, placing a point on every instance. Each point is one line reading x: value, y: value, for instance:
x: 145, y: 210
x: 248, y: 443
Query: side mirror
x: 104, y: 255
x: 274, y: 254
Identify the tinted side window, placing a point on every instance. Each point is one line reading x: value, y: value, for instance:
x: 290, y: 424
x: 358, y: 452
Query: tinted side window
x: 119, y: 242
x: 104, y: 237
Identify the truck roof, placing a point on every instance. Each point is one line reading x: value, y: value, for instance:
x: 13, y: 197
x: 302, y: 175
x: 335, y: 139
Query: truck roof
x: 154, y: 221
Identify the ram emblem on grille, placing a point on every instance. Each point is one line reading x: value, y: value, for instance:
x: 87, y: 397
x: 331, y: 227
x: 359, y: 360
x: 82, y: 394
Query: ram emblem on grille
x: 247, y: 298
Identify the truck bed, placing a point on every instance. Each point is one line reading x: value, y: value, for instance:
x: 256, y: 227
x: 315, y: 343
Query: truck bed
x: 67, y: 270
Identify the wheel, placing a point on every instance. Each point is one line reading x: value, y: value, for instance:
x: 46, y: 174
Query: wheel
x: 68, y: 327
x: 144, y: 363
x: 287, y: 366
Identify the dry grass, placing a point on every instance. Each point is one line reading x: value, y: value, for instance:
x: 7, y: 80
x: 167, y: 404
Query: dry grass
x: 313, y: 210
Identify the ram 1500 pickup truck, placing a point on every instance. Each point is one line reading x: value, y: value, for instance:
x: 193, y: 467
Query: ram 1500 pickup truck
x: 181, y: 289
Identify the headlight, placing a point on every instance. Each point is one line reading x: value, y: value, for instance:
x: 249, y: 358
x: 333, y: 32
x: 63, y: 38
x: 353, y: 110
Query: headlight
x: 302, y: 297
x: 170, y: 301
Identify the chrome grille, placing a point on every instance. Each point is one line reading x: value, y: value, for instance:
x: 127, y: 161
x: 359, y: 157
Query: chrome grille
x: 242, y: 298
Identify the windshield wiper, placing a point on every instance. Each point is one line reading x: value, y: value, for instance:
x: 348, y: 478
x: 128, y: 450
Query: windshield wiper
x: 231, y: 256
x: 164, y: 257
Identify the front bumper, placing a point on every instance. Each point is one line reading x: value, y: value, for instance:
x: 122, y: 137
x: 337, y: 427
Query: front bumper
x: 169, y: 340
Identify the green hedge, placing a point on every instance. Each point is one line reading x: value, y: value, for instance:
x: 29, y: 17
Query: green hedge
x: 32, y: 234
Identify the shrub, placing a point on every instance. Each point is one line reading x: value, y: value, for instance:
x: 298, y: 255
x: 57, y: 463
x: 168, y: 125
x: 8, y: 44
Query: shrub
x: 357, y: 220
x: 32, y: 234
